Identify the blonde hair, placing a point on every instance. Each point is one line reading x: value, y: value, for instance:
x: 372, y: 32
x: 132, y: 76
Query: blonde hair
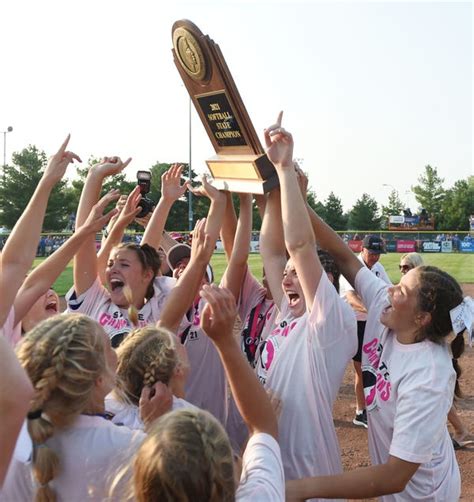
x: 412, y: 259
x: 63, y: 357
x: 186, y: 456
x: 146, y: 356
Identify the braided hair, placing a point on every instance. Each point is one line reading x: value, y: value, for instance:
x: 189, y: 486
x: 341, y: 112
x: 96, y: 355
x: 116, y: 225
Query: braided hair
x: 186, y: 456
x: 63, y: 357
x: 146, y: 356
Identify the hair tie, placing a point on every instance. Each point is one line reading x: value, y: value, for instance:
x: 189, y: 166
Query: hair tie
x: 462, y: 317
x: 34, y: 415
x: 40, y: 445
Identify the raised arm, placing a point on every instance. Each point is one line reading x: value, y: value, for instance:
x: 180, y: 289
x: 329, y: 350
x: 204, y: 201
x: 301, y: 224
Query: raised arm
x: 217, y: 209
x: 299, y: 237
x: 183, y: 294
x: 171, y: 191
x: 229, y: 226
x: 20, y: 248
x: 42, y: 277
x: 237, y: 267
x: 16, y: 392
x: 217, y: 321
x: 85, y: 260
x: 272, y: 245
x: 329, y: 240
x: 124, y: 216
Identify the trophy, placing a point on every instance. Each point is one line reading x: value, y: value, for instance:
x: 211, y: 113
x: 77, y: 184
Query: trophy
x: 240, y: 163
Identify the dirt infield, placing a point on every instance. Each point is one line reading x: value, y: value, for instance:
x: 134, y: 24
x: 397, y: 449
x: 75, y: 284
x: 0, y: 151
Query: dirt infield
x: 353, y: 440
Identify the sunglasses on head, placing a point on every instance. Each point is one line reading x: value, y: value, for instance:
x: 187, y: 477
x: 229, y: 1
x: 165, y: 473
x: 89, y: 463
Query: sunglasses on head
x: 405, y: 268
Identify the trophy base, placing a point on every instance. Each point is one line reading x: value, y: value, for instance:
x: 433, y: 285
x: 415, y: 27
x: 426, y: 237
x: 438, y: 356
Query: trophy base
x: 243, y: 173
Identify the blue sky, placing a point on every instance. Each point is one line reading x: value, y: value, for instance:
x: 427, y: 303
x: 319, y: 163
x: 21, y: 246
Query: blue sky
x: 372, y: 91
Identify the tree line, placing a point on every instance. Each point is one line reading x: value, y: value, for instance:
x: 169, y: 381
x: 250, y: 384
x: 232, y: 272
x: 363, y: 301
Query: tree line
x: 451, y: 207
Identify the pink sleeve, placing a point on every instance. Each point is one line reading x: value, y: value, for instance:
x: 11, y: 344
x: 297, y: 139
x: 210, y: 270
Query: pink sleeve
x: 251, y: 294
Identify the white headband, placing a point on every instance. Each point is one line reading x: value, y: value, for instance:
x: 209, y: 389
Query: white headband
x: 462, y: 317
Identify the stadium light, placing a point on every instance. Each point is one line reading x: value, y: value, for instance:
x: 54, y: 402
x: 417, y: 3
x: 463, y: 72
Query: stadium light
x: 9, y: 129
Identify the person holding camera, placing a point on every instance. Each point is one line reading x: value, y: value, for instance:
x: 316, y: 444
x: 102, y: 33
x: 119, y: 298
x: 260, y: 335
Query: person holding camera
x: 135, y: 293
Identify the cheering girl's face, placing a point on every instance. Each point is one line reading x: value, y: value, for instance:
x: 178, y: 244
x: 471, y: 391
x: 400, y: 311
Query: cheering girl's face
x: 125, y: 269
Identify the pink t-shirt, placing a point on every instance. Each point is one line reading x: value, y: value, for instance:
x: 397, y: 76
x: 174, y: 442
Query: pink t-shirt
x: 303, y: 363
x: 96, y: 303
x: 206, y: 386
x: 409, y: 391
x: 9, y: 331
x: 91, y: 452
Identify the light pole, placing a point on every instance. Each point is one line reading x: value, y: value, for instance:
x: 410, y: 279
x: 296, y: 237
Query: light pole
x: 9, y: 129
x: 190, y: 194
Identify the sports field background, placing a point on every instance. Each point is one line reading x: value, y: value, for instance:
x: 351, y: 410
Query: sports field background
x: 460, y: 265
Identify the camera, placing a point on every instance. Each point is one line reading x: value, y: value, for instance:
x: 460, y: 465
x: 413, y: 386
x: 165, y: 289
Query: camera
x: 144, y: 182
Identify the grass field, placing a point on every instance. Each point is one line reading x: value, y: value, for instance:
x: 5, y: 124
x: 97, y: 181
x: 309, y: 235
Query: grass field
x: 461, y: 266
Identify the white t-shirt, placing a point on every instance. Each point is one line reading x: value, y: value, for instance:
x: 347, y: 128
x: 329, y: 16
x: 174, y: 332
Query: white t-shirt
x: 262, y: 478
x: 303, y: 363
x: 96, y: 303
x: 344, y: 286
x: 409, y: 390
x: 91, y: 452
x: 206, y: 386
x: 11, y: 332
x: 129, y: 414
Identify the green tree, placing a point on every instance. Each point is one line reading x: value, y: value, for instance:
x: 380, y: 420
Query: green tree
x: 364, y: 214
x: 315, y: 204
x: 429, y: 193
x: 458, y: 205
x: 334, y: 213
x: 18, y: 184
x: 395, y: 206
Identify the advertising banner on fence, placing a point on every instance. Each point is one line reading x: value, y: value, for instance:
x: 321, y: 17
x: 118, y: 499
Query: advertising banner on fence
x: 406, y: 246
x: 446, y: 246
x: 431, y: 247
x: 391, y: 246
x: 467, y: 246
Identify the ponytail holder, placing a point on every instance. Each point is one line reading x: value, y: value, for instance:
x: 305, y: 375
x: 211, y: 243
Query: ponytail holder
x: 462, y: 317
x: 34, y: 415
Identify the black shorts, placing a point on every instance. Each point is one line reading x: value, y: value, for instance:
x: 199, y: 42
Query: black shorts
x: 360, y: 340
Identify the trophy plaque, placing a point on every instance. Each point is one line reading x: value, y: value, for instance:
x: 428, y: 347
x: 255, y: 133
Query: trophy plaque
x: 240, y: 163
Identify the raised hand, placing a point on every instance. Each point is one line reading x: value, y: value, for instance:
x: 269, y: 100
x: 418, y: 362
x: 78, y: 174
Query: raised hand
x: 145, y: 220
x: 279, y: 144
x: 202, y: 246
x: 109, y: 166
x: 131, y: 208
x: 207, y: 190
x: 218, y: 315
x: 96, y: 219
x: 58, y: 163
x: 302, y: 180
x: 171, y: 188
x: 154, y: 402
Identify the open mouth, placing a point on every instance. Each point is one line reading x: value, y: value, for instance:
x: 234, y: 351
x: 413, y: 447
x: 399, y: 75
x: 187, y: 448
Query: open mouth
x: 52, y: 307
x: 116, y: 285
x: 293, y: 298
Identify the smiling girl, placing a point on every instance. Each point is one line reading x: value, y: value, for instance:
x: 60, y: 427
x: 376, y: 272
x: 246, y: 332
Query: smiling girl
x: 134, y: 293
x: 408, y: 383
x: 302, y: 362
